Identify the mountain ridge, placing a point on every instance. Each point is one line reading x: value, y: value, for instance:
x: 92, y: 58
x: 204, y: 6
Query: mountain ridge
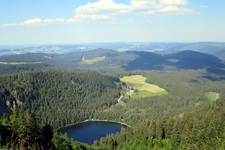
x: 101, y: 59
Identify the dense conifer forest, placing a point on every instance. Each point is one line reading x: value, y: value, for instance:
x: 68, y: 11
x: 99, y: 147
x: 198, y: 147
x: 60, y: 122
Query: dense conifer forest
x: 112, y: 75
x: 37, y: 99
x: 21, y: 130
x: 59, y: 98
x: 198, y: 128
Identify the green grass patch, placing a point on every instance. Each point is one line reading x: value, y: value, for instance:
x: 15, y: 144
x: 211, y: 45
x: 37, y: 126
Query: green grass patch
x: 212, y: 96
x: 138, y: 82
x: 144, y: 93
x: 91, y: 61
x: 144, y: 89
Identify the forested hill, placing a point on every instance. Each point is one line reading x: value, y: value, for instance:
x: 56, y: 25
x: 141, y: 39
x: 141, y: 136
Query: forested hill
x: 106, y: 60
x: 196, y: 129
x: 58, y: 97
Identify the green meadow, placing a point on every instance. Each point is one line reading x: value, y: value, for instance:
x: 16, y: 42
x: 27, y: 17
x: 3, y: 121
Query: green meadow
x: 212, y: 96
x: 142, y: 88
x: 91, y: 61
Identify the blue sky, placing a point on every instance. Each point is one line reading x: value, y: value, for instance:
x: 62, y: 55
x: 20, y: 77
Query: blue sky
x: 88, y: 21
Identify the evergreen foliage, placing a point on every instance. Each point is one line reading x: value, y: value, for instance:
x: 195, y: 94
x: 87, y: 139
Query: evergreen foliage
x: 22, y: 132
x: 200, y: 128
x: 58, y: 98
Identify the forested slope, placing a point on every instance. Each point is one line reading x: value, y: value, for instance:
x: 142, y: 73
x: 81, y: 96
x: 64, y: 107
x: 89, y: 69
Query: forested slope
x: 198, y: 128
x: 58, y: 97
x: 21, y: 131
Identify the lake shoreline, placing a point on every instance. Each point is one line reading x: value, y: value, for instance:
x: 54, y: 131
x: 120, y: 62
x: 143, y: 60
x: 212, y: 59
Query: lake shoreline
x: 95, y: 120
x: 110, y: 121
x: 90, y: 130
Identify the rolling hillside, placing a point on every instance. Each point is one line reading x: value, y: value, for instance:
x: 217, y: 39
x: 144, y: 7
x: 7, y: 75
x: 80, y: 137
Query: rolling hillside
x: 106, y: 60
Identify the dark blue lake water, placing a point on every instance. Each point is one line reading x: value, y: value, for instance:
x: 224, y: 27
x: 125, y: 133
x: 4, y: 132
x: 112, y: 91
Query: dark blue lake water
x: 88, y: 132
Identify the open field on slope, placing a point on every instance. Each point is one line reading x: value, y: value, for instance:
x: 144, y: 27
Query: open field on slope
x: 138, y: 81
x: 144, y: 89
x: 91, y: 61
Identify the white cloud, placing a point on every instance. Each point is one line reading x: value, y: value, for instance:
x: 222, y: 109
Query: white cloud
x: 95, y: 16
x: 174, y: 2
x: 167, y: 7
x: 108, y: 10
x: 8, y: 25
x: 57, y: 20
x: 143, y: 4
x: 35, y: 21
x: 101, y: 10
x: 32, y: 21
x: 171, y: 9
x: 106, y: 6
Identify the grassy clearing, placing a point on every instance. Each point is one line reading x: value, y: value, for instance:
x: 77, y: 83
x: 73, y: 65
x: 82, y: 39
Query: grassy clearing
x: 91, y: 61
x: 143, y: 89
x: 138, y: 82
x: 144, y: 93
x: 212, y: 96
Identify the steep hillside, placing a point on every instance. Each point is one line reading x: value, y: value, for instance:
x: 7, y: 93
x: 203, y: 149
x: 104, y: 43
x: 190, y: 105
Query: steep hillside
x: 55, y: 95
x: 198, y: 128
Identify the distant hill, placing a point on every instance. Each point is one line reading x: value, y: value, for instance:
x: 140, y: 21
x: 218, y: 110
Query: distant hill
x: 164, y: 48
x: 27, y: 57
x: 214, y: 48
x: 110, y: 61
x: 195, y: 60
x: 145, y: 61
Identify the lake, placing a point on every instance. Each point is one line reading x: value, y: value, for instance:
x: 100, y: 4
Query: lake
x: 88, y: 132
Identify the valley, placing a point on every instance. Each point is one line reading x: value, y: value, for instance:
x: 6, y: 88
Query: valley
x: 158, y: 95
x: 112, y: 75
